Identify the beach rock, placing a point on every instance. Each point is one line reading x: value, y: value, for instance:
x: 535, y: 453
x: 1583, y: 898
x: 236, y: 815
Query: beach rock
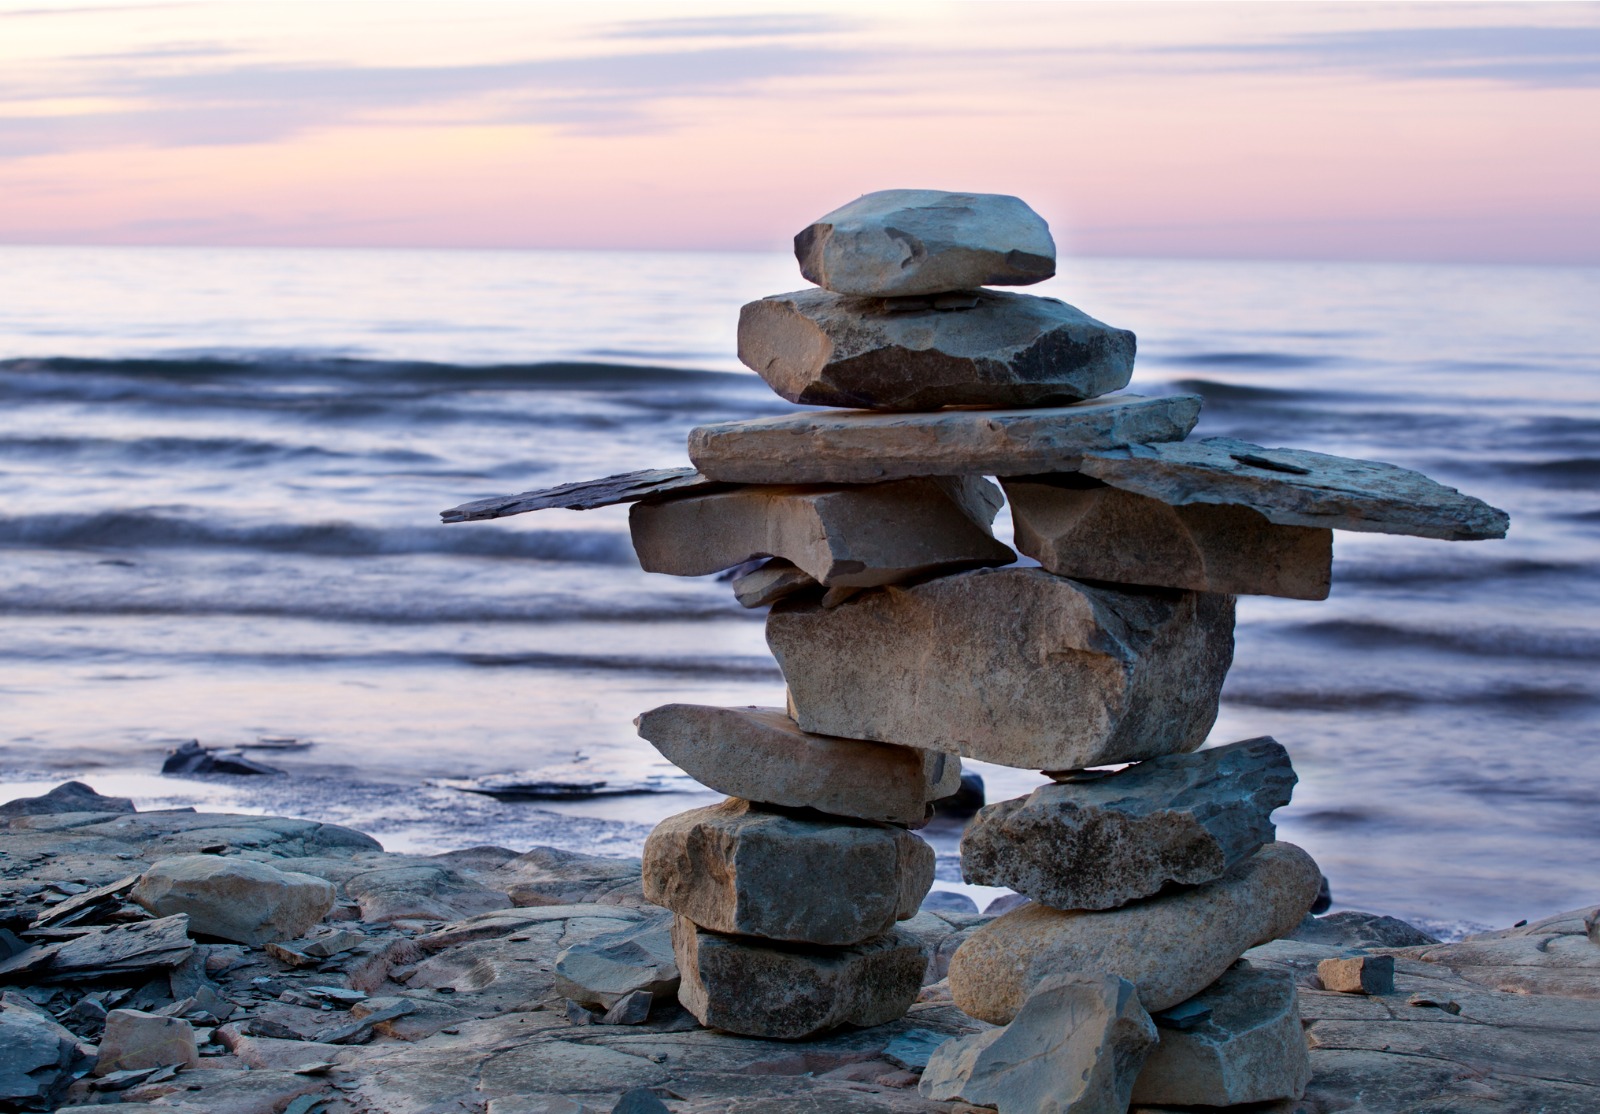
x: 862, y: 447
x: 789, y: 992
x: 965, y: 801
x: 1293, y: 487
x: 421, y: 892
x: 1359, y: 974
x: 585, y: 494
x: 948, y: 901
x: 1350, y: 928
x: 901, y: 242
x: 610, y: 969
x: 552, y: 876
x: 1080, y: 527
x: 69, y: 796
x: 1075, y: 1047
x: 1249, y: 1049
x: 856, y: 537
x: 1014, y: 666
x: 1102, y: 840
x: 1171, y: 946
x: 768, y: 584
x: 743, y: 868
x: 36, y: 1058
x: 192, y: 758
x: 760, y: 754
x: 1007, y: 350
x: 107, y: 952
x: 135, y: 1039
x: 1552, y: 955
x: 233, y: 898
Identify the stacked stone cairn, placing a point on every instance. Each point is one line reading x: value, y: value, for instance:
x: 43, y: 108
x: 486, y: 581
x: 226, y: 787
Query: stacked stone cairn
x: 908, y: 637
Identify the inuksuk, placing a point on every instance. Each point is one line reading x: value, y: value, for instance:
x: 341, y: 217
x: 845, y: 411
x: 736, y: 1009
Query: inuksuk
x: 909, y: 636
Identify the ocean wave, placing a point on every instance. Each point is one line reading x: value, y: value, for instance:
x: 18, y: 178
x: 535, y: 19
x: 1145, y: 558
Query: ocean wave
x: 1508, y: 642
x: 1552, y: 699
x: 205, y: 450
x: 1571, y: 472
x: 1259, y: 361
x: 1397, y: 573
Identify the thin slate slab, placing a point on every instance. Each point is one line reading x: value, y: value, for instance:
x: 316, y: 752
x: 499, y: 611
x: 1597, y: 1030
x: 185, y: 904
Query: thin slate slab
x: 1295, y: 487
x: 585, y: 495
x: 865, y: 446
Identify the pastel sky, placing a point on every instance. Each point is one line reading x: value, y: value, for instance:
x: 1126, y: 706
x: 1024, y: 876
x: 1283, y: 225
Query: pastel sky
x: 1341, y: 131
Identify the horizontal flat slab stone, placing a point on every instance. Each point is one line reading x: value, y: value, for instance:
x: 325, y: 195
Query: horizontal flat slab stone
x: 766, y: 585
x: 896, y: 242
x: 1103, y: 840
x: 1294, y: 487
x: 861, y: 446
x: 1014, y: 666
x: 857, y: 536
x: 584, y: 495
x: 760, y: 754
x: 992, y: 349
x: 1077, y: 526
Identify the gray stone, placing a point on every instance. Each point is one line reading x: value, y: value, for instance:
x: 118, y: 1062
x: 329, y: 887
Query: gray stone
x: 765, y: 989
x: 603, y: 972
x: 1014, y: 666
x: 69, y: 796
x: 948, y: 901
x: 421, y: 892
x: 36, y: 1058
x: 900, y: 242
x: 743, y: 868
x: 1006, y: 350
x: 634, y: 1008
x: 1293, y: 487
x: 1552, y: 955
x: 1171, y: 946
x: 1102, y: 840
x: 768, y: 584
x: 552, y: 876
x: 1359, y: 974
x: 1080, y: 527
x: 760, y: 754
x: 858, y: 536
x: 1249, y: 1049
x: 114, y: 950
x: 1075, y: 1047
x: 862, y: 446
x: 134, y: 1039
x: 640, y: 1100
x: 234, y: 898
x: 1350, y: 928
x: 585, y: 494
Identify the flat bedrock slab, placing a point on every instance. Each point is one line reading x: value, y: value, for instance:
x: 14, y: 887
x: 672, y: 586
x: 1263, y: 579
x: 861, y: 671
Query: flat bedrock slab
x: 1171, y: 947
x: 766, y: 989
x: 766, y: 585
x: 863, y: 446
x: 585, y: 495
x: 760, y: 754
x: 899, y: 242
x: 1075, y: 1047
x: 1250, y: 1048
x: 999, y: 350
x: 1293, y: 487
x: 1079, y: 527
x: 1104, y: 840
x: 859, y: 536
x: 234, y: 898
x: 1014, y: 666
x: 743, y: 868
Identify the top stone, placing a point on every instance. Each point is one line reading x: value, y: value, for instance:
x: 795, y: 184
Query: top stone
x: 895, y: 243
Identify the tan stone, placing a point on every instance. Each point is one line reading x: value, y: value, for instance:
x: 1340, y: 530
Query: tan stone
x: 760, y: 754
x: 768, y: 584
x: 1171, y: 946
x: 1360, y: 974
x: 235, y: 899
x: 863, y: 446
x: 744, y: 868
x: 1080, y: 527
x: 858, y: 536
x: 1015, y: 666
x: 135, y: 1039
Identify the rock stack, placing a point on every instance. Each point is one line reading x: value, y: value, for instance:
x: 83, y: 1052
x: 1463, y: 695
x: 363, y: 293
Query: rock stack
x: 905, y: 644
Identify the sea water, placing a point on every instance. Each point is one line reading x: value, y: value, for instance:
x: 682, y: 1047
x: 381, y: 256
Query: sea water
x: 223, y: 471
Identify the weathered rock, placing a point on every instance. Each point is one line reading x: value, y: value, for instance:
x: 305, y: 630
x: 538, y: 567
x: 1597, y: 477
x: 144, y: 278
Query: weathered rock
x: 421, y: 891
x: 36, y: 1058
x: 1249, y: 1049
x: 1171, y: 946
x: 605, y: 971
x: 1102, y: 840
x: 551, y: 876
x: 114, y: 950
x: 1015, y: 666
x: 1080, y: 527
x: 749, y: 869
x: 1358, y: 974
x: 585, y: 494
x: 770, y: 583
x: 1350, y: 928
x: 822, y: 349
x: 857, y: 536
x: 1075, y: 1047
x: 135, y: 1039
x: 767, y: 989
x: 234, y: 898
x: 899, y: 242
x: 1552, y: 955
x: 1293, y: 487
x: 69, y: 796
x: 860, y: 446
x: 759, y: 754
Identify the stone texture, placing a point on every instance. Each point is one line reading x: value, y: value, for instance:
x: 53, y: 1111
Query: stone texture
x: 1250, y: 1049
x: 764, y: 586
x: 1075, y: 1047
x: 743, y: 868
x: 585, y: 495
x: 760, y: 754
x: 900, y: 242
x: 1350, y: 928
x: 612, y: 968
x: 861, y: 446
x: 1103, y: 840
x: 1015, y: 666
x: 1358, y: 974
x: 1004, y: 350
x: 69, y: 796
x: 1080, y: 527
x: 36, y: 1057
x: 1171, y: 946
x: 1553, y: 955
x: 855, y: 537
x: 1293, y: 487
x: 765, y: 989
x: 234, y: 898
x: 135, y: 1039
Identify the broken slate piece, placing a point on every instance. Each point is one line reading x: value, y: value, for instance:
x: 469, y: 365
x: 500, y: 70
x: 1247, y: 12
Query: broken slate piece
x: 1362, y: 974
x: 631, y: 1009
x: 584, y: 495
x: 36, y: 1058
x: 104, y: 953
x: 604, y: 972
x: 766, y: 585
x: 134, y: 1039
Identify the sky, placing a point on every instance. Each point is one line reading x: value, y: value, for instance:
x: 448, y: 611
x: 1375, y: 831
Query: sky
x: 1435, y: 131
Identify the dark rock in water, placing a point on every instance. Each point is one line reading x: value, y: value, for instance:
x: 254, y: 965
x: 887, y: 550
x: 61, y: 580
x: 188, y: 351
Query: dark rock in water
x: 69, y: 796
x: 192, y: 758
x: 964, y: 802
x: 1004, y: 904
x: 1352, y: 929
x: 1324, y: 898
x: 585, y: 495
x: 946, y: 901
x: 575, y: 781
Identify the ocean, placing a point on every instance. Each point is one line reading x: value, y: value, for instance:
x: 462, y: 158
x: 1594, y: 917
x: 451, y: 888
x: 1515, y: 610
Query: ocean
x: 223, y: 471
